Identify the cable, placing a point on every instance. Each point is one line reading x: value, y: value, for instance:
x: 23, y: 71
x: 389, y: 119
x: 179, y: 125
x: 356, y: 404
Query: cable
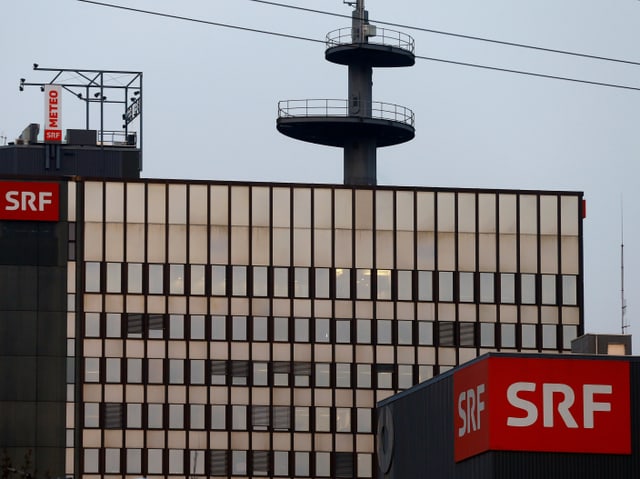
x: 296, y: 37
x: 206, y: 22
x: 457, y: 35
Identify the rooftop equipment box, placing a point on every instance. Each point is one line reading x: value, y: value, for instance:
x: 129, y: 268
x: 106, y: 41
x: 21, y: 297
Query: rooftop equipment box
x: 504, y: 416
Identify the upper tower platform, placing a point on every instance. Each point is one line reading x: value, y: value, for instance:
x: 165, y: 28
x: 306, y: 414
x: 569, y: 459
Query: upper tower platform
x: 357, y: 124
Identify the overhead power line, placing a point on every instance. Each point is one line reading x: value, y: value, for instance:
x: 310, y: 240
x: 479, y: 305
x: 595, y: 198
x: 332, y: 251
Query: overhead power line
x: 456, y: 35
x: 315, y: 40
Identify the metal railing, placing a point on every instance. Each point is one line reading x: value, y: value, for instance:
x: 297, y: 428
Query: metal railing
x: 118, y: 138
x: 341, y: 108
x: 383, y: 36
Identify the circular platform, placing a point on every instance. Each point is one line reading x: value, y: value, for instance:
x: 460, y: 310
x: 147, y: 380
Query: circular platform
x: 386, y: 49
x: 340, y: 131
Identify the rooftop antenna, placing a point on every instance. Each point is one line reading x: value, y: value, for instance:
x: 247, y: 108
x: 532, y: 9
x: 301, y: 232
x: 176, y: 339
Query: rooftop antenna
x: 358, y: 124
x: 623, y: 301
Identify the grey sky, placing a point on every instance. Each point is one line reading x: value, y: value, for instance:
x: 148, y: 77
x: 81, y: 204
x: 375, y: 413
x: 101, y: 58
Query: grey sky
x: 210, y: 101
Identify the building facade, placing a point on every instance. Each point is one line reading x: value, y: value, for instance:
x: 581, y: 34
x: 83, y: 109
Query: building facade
x: 248, y: 330
x: 235, y: 329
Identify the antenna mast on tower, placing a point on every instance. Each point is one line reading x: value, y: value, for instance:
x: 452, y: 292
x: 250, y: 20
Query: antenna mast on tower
x: 623, y: 301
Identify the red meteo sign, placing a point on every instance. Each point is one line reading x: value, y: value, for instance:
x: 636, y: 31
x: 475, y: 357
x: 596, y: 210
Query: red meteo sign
x: 26, y: 201
x: 52, y: 114
x: 542, y: 404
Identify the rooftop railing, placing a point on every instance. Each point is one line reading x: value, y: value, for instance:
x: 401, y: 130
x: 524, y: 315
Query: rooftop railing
x: 341, y: 108
x: 383, y: 36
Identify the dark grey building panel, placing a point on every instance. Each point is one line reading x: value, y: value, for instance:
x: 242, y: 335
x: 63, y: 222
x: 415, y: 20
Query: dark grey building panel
x: 423, y: 441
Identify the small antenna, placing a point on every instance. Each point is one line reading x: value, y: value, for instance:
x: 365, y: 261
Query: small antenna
x: 623, y: 301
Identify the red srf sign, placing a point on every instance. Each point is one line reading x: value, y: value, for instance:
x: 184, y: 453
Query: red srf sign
x: 542, y: 404
x: 29, y: 201
x: 52, y: 115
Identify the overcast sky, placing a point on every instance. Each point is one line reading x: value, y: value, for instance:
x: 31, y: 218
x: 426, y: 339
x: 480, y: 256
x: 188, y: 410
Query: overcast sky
x: 211, y: 94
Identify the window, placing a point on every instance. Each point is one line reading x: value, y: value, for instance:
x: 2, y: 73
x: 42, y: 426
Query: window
x: 301, y: 463
x: 239, y: 463
x: 134, y: 461
x: 281, y: 418
x: 154, y: 416
x: 487, y: 288
x: 114, y: 278
x: 363, y: 376
x: 239, y: 373
x: 239, y: 328
x: 508, y: 333
x: 446, y: 333
x: 343, y: 283
x: 281, y: 371
x: 405, y: 332
x: 218, y: 328
x: 466, y: 287
x: 196, y: 328
x: 92, y: 277
x: 280, y: 282
x: 197, y: 279
x: 260, y: 328
x: 218, y: 417
x: 176, y: 416
x: 134, y: 278
x: 323, y: 419
x: 363, y: 416
x: 467, y: 334
x: 322, y: 283
x: 301, y: 326
x: 218, y: 372
x: 549, y: 336
x: 134, y: 416
x: 91, y: 415
x: 155, y: 371
x: 301, y: 282
x: 384, y: 376
x: 425, y: 333
x: 548, y: 289
x: 114, y: 325
x: 383, y: 279
x: 176, y: 279
x: 260, y: 418
x: 301, y: 418
x: 425, y: 286
x: 156, y: 326
x: 445, y: 286
x: 322, y: 375
x: 176, y: 371
x: 156, y: 279
x: 134, y: 326
x: 92, y: 370
x: 260, y: 374
x: 487, y: 335
x: 528, y: 289
x: 176, y: 326
x: 92, y: 325
x: 343, y: 419
x: 260, y: 281
x: 218, y: 280
x: 569, y: 290
x: 384, y: 331
x: 112, y: 461
x: 302, y: 374
x: 363, y: 331
x: 405, y: 376
x: 239, y: 281
x: 528, y: 336
x: 260, y: 460
x: 343, y: 375
x: 322, y: 330
x: 134, y: 370
x: 363, y: 284
x: 507, y: 288
x: 239, y: 418
x: 343, y: 331
x: 281, y: 463
x: 154, y: 462
x: 405, y: 286
x: 281, y: 329
x: 323, y: 464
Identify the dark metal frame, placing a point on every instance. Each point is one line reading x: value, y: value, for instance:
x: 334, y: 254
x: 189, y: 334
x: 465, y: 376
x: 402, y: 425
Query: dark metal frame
x: 91, y: 86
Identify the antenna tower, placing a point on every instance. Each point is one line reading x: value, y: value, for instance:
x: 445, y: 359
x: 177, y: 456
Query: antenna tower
x: 358, y: 124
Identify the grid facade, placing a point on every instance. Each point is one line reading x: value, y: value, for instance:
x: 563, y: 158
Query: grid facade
x: 248, y: 330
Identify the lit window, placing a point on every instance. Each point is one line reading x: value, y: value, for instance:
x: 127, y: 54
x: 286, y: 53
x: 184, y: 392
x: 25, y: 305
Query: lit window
x: 383, y: 278
x: 363, y: 284
x: 343, y: 283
